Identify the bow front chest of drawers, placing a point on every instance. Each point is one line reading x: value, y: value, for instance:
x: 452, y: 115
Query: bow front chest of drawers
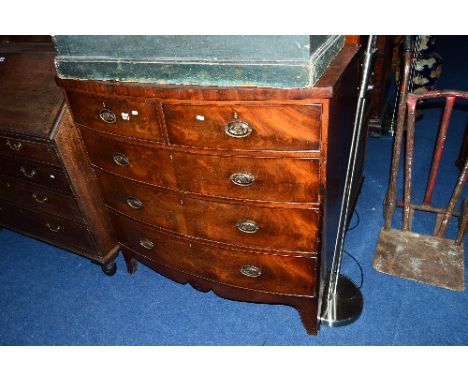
x: 234, y: 190
x: 46, y: 189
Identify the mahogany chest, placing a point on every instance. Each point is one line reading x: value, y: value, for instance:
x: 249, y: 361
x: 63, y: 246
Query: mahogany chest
x: 231, y: 189
x: 46, y: 189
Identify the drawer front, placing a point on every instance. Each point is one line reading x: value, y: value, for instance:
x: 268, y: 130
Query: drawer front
x: 275, y: 127
x: 287, y: 229
x: 34, y: 172
x: 273, y: 179
x: 246, y: 269
x: 24, y: 149
x: 123, y: 116
x: 45, y: 226
x: 41, y: 199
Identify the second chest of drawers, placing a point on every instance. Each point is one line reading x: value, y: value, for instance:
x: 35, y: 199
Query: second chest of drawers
x: 46, y: 189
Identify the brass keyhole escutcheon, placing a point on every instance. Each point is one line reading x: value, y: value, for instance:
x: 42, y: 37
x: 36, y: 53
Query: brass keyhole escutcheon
x: 134, y: 202
x: 146, y: 243
x: 121, y: 159
x: 237, y: 128
x: 251, y: 271
x: 108, y: 116
x: 242, y: 179
x: 247, y: 226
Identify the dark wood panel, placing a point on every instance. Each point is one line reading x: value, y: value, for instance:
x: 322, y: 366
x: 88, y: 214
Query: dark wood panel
x: 39, y: 198
x: 267, y: 272
x: 27, y: 149
x: 275, y: 179
x: 38, y: 173
x: 30, y: 98
x: 86, y: 188
x: 280, y: 127
x: 50, y: 228
x: 287, y: 229
x: 125, y: 116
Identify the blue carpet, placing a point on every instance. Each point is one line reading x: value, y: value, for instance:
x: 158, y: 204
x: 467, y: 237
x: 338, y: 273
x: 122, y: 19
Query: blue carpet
x: 51, y: 297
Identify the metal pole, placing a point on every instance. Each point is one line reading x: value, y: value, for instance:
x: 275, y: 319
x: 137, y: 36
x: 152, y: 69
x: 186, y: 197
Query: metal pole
x: 331, y: 309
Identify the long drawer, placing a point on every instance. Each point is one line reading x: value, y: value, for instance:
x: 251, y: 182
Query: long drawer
x: 240, y: 224
x: 255, y: 178
x: 26, y: 149
x: 246, y: 269
x: 39, y: 198
x: 47, y: 227
x: 241, y: 126
x: 118, y: 115
x: 38, y: 173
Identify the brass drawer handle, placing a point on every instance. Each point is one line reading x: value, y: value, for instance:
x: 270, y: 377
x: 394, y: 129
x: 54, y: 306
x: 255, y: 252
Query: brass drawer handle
x: 134, y: 202
x: 41, y: 199
x: 242, y: 178
x: 108, y: 116
x: 251, y: 271
x: 28, y: 174
x: 237, y: 128
x: 53, y: 229
x: 121, y: 159
x: 146, y: 243
x: 16, y: 146
x: 247, y: 226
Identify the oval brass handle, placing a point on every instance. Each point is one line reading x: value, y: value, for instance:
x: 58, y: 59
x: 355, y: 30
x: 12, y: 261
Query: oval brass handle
x: 16, y: 146
x: 247, y: 226
x: 251, y: 271
x: 146, y: 243
x: 134, y: 202
x: 242, y: 178
x: 108, y: 116
x: 238, y: 129
x: 41, y: 199
x: 53, y: 229
x: 28, y: 174
x: 121, y: 159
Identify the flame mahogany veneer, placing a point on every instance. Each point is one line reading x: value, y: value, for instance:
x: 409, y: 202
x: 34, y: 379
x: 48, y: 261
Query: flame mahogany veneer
x: 234, y: 190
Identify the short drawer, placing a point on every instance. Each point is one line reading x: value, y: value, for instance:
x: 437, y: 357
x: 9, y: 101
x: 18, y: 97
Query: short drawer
x: 46, y: 227
x: 25, y: 149
x: 246, y: 269
x: 41, y: 174
x: 254, y: 178
x: 39, y: 198
x: 240, y: 224
x: 129, y: 117
x: 264, y: 127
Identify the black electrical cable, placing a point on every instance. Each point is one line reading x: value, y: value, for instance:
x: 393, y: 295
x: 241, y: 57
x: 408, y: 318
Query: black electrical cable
x: 360, y: 268
x: 358, y: 221
x: 349, y: 254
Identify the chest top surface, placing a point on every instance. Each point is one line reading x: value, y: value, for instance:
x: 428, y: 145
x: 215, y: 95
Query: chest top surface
x: 30, y: 98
